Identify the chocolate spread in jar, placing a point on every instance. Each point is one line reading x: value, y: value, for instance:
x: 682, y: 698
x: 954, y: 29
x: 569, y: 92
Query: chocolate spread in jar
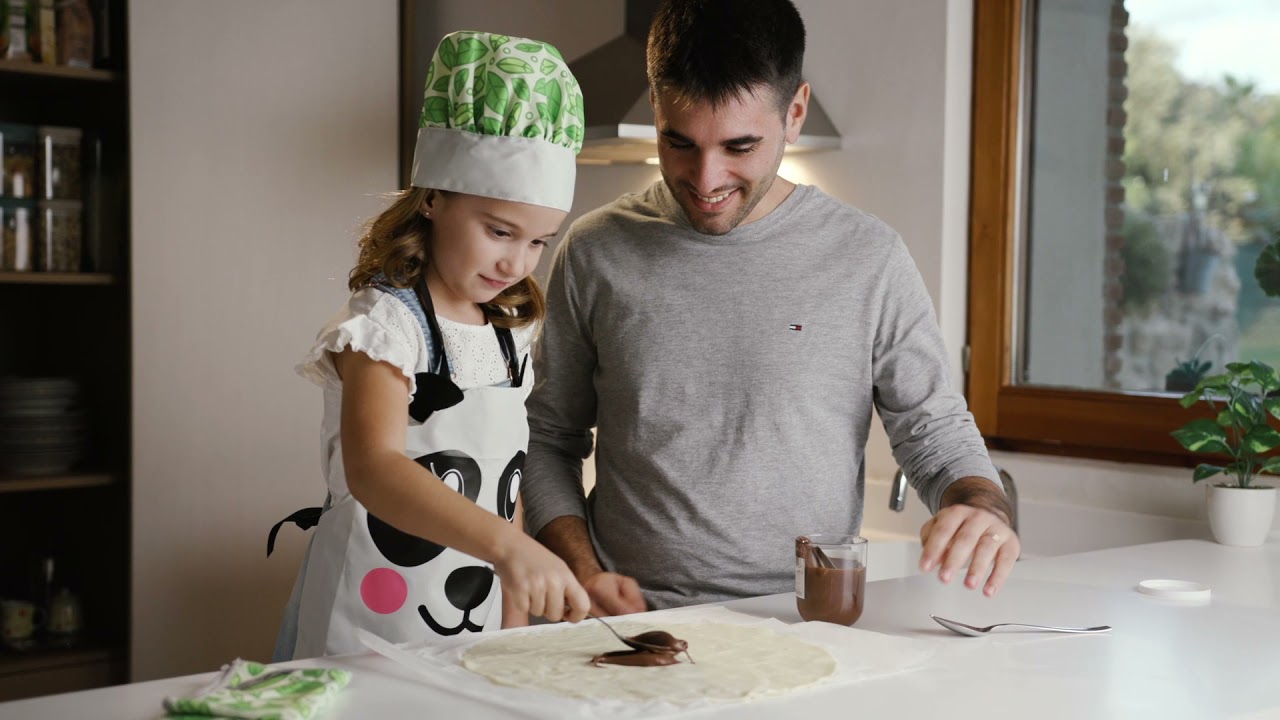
x: 832, y: 594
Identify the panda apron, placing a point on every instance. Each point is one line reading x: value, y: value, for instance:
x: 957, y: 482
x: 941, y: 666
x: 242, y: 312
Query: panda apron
x: 359, y: 572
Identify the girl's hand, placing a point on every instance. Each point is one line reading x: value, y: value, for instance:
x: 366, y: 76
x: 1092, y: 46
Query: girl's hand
x: 537, y: 582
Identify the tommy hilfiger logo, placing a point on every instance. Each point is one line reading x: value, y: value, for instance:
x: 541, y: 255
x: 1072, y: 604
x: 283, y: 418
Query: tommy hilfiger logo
x: 795, y: 327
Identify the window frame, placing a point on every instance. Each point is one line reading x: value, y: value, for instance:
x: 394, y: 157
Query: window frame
x: 1112, y: 425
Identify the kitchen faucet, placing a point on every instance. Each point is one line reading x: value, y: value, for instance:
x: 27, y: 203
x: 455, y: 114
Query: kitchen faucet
x: 898, y: 493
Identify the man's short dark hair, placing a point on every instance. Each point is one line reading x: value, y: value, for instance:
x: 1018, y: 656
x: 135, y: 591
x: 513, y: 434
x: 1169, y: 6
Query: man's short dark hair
x: 716, y: 50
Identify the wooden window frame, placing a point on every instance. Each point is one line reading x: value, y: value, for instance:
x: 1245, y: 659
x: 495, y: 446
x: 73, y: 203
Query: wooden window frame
x: 1122, y: 426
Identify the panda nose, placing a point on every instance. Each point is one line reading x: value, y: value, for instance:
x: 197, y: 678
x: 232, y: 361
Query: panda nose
x: 467, y: 587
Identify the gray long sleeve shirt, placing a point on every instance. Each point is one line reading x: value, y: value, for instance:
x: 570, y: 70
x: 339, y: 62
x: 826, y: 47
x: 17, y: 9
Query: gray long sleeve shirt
x: 731, y: 380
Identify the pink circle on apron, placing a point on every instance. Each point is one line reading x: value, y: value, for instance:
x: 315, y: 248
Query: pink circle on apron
x: 384, y: 590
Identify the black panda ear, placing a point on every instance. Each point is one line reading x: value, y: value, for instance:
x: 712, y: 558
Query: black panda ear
x: 435, y: 392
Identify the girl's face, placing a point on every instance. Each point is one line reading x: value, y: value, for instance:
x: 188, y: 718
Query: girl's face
x: 481, y: 246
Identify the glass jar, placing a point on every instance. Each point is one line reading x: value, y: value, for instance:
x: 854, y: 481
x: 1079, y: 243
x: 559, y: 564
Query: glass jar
x: 59, y: 163
x: 18, y: 148
x: 17, y: 219
x: 60, y: 233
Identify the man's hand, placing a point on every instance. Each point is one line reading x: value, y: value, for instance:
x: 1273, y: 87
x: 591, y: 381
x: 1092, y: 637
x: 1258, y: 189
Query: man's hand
x: 613, y: 594
x: 971, y: 529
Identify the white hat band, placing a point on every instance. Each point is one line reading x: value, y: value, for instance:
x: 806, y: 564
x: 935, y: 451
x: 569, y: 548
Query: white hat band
x: 526, y: 170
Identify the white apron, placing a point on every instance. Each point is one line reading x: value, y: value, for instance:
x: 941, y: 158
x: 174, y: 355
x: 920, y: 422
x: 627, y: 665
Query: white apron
x: 360, y: 572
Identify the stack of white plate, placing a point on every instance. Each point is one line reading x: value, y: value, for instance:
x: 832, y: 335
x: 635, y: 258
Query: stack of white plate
x: 42, y: 428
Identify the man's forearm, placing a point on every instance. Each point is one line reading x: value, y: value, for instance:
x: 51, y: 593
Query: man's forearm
x: 981, y: 493
x: 568, y: 537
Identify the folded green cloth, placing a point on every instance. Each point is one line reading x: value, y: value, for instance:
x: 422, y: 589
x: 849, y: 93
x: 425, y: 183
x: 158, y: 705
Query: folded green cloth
x: 252, y: 690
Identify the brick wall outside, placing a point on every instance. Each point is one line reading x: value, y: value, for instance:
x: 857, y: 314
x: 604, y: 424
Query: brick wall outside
x: 1113, y: 266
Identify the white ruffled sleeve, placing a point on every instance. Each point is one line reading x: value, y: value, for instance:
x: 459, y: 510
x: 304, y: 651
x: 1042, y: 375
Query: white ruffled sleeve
x: 374, y: 323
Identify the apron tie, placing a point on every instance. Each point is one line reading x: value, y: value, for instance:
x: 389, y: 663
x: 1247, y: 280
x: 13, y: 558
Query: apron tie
x: 306, y: 518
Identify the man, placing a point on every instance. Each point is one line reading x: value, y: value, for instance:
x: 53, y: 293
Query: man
x: 727, y: 333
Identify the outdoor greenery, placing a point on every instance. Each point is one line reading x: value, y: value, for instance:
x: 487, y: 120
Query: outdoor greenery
x: 1211, y: 149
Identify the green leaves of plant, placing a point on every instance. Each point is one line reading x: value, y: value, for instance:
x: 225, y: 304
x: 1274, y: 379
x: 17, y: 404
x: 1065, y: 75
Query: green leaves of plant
x: 1204, y: 470
x: 1202, y: 435
x: 1261, y: 439
x: 1241, y: 428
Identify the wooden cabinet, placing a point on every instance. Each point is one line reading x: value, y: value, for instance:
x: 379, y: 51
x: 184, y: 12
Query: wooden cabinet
x: 77, y: 325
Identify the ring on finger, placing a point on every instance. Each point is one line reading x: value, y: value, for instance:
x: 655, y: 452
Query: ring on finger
x: 993, y: 537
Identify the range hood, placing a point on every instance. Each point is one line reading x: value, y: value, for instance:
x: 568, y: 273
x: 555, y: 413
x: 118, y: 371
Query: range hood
x: 616, y: 87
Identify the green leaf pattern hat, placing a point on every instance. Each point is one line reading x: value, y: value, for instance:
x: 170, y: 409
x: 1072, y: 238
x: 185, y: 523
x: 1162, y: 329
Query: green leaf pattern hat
x: 502, y: 118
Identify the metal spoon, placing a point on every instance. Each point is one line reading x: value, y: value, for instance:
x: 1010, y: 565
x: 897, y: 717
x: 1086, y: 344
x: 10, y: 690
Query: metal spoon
x: 621, y: 639
x: 819, y: 557
x: 973, y: 631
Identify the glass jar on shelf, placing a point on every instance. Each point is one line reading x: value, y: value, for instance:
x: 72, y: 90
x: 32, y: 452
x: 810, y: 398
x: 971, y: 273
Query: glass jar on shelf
x: 17, y: 219
x: 18, y: 150
x: 59, y: 163
x: 58, y: 249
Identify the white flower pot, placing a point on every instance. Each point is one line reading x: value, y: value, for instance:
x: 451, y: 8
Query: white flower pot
x: 1240, y: 516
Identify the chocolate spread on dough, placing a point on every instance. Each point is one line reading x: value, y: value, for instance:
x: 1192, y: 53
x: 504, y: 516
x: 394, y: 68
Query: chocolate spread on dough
x: 635, y: 658
x: 649, y: 649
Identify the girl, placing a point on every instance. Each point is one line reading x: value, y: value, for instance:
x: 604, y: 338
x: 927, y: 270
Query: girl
x: 425, y: 370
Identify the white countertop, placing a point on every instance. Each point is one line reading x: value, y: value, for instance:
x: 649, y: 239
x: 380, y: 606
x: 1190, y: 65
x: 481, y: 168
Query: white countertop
x: 1163, y: 660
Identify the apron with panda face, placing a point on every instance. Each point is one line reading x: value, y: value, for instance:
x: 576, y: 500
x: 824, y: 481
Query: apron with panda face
x: 361, y: 572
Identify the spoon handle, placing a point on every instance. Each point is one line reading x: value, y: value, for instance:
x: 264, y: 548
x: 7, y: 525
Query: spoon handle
x: 1051, y: 628
x: 615, y: 632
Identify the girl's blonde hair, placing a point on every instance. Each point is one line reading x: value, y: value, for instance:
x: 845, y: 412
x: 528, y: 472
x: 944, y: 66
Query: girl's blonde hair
x: 397, y: 246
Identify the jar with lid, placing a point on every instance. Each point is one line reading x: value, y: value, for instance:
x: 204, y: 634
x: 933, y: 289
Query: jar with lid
x: 58, y: 249
x: 17, y: 218
x: 59, y: 163
x: 18, y: 148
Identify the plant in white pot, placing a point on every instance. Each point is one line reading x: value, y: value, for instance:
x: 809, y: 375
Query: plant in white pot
x: 1245, y: 399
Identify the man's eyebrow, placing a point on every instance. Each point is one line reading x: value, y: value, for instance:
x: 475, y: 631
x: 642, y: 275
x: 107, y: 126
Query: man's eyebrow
x: 731, y: 142
x: 673, y: 135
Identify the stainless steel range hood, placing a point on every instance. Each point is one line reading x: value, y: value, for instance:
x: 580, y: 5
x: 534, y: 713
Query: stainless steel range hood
x: 616, y: 90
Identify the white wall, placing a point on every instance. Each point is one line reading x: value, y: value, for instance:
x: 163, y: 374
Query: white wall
x: 262, y: 134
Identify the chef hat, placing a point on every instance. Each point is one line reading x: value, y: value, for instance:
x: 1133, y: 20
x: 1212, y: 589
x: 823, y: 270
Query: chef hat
x: 502, y: 118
